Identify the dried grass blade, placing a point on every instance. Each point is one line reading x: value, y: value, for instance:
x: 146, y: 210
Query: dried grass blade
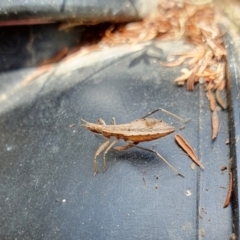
x: 212, y: 100
x: 183, y: 77
x: 191, y: 79
x: 194, y: 60
x: 149, y: 36
x: 230, y: 186
x: 192, y: 54
x: 215, y: 124
x: 221, y: 85
x: 220, y: 50
x: 190, y: 82
x: 188, y: 149
x: 181, y: 59
x: 209, y: 87
x: 173, y: 63
x: 221, y: 97
x: 206, y: 74
x: 208, y: 56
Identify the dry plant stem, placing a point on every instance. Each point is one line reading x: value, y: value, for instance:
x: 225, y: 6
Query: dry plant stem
x: 227, y: 200
x: 215, y: 124
x: 160, y: 156
x: 188, y: 149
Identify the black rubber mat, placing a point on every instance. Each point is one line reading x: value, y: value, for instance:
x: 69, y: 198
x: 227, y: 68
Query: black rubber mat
x: 48, y: 190
x: 30, y: 12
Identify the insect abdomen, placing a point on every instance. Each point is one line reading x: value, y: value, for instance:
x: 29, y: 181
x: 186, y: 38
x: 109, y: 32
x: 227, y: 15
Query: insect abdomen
x: 145, y: 137
x: 139, y: 130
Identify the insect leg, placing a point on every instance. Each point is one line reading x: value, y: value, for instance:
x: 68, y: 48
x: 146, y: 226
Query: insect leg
x: 163, y: 110
x: 125, y: 147
x: 101, y: 122
x: 99, y: 150
x: 113, y: 122
x: 104, y: 154
x: 153, y: 151
x: 150, y: 113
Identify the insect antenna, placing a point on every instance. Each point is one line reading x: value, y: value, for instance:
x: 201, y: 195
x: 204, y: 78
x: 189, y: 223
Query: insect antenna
x: 160, y: 156
x: 84, y: 124
x: 84, y: 121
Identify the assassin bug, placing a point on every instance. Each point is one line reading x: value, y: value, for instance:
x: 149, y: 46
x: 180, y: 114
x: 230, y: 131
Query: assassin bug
x: 139, y: 130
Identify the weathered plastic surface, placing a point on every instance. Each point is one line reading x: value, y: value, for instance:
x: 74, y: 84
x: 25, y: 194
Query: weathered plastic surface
x: 87, y: 11
x: 48, y: 190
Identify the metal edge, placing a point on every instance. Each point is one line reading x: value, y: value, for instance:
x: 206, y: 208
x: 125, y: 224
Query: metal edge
x: 233, y: 80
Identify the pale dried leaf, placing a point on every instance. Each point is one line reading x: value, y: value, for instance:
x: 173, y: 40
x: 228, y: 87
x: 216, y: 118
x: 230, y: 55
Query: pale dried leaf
x: 183, y: 77
x: 215, y: 124
x: 188, y: 149
x: 221, y: 97
x: 212, y: 100
x: 230, y: 186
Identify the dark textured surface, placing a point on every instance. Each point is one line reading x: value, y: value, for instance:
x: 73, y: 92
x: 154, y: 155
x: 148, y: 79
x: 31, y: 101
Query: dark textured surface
x: 48, y: 190
x: 234, y: 127
x: 29, y: 45
x: 91, y: 10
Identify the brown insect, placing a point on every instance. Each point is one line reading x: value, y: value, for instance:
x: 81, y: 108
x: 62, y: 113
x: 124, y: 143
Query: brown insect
x: 140, y: 130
